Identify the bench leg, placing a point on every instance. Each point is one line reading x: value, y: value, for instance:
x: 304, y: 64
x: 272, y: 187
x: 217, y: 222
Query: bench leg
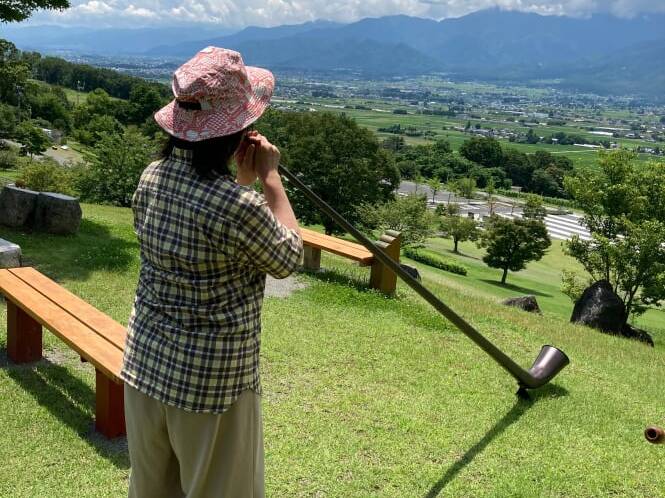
x: 382, y: 278
x: 24, y: 335
x: 311, y: 258
x: 110, y: 409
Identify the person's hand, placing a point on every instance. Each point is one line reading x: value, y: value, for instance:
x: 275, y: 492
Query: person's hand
x: 264, y: 154
x: 246, y: 173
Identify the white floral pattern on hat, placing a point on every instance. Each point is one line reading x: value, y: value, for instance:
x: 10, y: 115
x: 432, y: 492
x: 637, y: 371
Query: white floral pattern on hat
x: 231, y: 95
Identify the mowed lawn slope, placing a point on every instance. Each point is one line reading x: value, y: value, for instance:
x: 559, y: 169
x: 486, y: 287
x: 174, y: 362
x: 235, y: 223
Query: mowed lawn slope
x: 364, y: 395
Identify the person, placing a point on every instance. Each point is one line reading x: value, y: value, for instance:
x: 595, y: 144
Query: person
x: 207, y: 241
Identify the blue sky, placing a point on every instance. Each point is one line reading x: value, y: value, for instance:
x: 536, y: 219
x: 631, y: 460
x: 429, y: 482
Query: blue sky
x: 240, y: 13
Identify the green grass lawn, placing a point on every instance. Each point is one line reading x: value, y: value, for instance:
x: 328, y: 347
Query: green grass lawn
x: 541, y: 278
x: 364, y: 395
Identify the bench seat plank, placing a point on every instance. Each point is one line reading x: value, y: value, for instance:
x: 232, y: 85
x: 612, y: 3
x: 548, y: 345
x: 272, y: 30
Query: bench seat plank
x: 97, y: 350
x: 351, y: 250
x: 99, y: 322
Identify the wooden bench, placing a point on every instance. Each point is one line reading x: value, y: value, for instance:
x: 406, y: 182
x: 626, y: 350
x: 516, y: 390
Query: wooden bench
x: 35, y: 301
x: 381, y: 277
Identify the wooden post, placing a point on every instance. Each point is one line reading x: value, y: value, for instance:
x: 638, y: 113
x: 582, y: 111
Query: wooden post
x: 382, y: 278
x: 110, y: 409
x: 24, y: 335
x: 311, y: 258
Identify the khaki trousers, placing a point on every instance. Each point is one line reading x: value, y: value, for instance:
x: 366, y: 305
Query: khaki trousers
x: 175, y: 453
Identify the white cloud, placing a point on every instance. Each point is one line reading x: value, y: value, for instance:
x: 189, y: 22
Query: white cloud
x: 274, y: 12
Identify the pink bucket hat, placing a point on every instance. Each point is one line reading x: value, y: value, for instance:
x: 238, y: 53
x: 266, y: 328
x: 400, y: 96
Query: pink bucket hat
x: 231, y: 96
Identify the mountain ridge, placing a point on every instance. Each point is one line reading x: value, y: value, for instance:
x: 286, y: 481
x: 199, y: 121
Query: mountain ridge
x: 490, y: 45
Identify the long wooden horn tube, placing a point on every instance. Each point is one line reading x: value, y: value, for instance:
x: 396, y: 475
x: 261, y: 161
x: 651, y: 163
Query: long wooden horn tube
x: 550, y: 360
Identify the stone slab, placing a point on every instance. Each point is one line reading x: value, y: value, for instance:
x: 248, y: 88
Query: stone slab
x: 10, y: 254
x: 57, y: 213
x: 17, y: 206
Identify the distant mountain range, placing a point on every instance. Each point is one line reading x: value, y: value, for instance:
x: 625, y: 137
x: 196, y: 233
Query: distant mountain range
x: 104, y: 41
x: 603, y: 54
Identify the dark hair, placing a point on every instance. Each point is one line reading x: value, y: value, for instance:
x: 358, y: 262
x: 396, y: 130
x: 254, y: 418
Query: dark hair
x: 213, y: 154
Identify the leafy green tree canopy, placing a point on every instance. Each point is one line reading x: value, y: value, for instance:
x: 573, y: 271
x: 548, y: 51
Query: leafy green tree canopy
x: 114, y: 173
x: 511, y: 244
x: 534, y: 208
x: 342, y: 162
x: 624, y: 206
x: 483, y: 150
x: 32, y: 138
x: 20, y: 10
x: 459, y: 228
x: 406, y: 214
x: 465, y: 187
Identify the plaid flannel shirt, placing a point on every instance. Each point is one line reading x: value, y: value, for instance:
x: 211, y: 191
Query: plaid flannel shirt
x: 194, y: 334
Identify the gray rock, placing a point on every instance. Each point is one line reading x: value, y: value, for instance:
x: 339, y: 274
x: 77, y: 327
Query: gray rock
x: 411, y: 270
x: 57, y: 213
x: 10, y: 254
x: 526, y: 303
x: 600, y: 308
x: 17, y: 206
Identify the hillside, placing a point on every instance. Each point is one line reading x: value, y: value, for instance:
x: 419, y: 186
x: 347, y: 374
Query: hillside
x: 363, y: 395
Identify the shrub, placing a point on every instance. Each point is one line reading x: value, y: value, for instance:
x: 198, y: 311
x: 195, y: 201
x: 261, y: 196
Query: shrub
x: 434, y: 259
x: 8, y: 159
x: 45, y: 176
x: 555, y: 201
x: 572, y: 285
x: 408, y: 215
x: 113, y: 174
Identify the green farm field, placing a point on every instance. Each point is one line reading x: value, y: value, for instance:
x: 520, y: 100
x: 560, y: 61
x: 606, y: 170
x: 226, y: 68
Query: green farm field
x: 379, y: 115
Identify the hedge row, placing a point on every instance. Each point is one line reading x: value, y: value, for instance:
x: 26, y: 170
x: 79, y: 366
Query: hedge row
x: 555, y: 201
x: 432, y: 258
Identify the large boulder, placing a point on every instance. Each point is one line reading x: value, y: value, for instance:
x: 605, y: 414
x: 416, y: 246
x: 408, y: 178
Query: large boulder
x: 17, y: 206
x: 57, y: 213
x: 526, y: 303
x: 600, y: 308
x: 10, y: 254
x: 411, y: 270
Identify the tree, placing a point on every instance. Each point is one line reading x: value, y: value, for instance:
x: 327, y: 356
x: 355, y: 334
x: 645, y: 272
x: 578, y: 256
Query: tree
x: 418, y: 180
x: 465, y: 187
x: 442, y: 147
x: 531, y: 137
x: 534, y: 208
x: 97, y: 128
x: 408, y: 215
x: 542, y: 182
x: 7, y: 120
x: 342, y: 162
x: 393, y: 142
x: 624, y: 206
x: 518, y: 167
x: 20, y: 10
x: 33, y: 139
x: 14, y: 73
x: 483, y: 150
x: 144, y: 101
x: 459, y: 228
x: 114, y: 173
x: 434, y: 185
x: 491, y: 198
x: 511, y: 244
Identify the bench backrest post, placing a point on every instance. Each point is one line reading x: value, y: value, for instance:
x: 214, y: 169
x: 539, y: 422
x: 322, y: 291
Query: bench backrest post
x: 383, y: 278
